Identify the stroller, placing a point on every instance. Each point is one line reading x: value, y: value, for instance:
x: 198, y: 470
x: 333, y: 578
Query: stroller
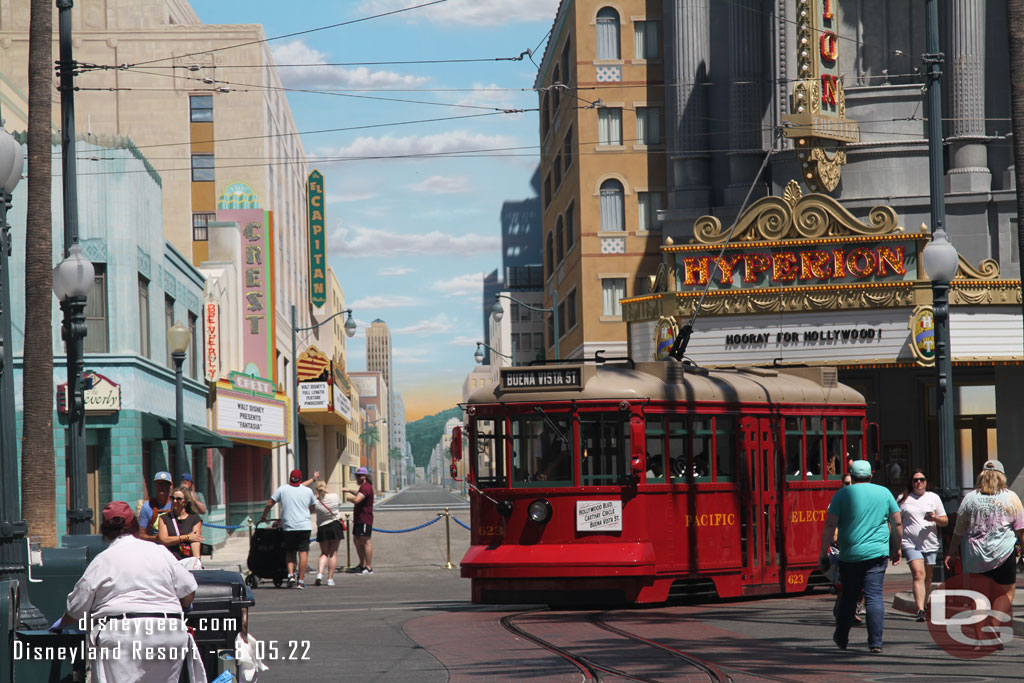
x: 267, y: 557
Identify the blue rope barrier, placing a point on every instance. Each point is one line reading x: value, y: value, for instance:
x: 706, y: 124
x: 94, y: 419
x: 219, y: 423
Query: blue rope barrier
x: 405, y: 531
x: 460, y: 523
x: 220, y: 526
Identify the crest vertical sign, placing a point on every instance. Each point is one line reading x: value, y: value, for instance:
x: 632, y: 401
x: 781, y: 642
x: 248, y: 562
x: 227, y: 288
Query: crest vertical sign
x: 317, y: 241
x: 818, y: 112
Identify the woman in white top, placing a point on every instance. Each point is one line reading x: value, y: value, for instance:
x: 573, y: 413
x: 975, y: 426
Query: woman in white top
x: 131, y: 597
x: 329, y: 532
x: 922, y: 514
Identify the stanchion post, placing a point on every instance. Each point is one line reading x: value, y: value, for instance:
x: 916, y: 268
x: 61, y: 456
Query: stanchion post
x: 447, y: 536
x: 348, y: 541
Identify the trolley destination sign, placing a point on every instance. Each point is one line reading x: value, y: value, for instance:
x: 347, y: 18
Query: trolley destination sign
x: 513, y: 379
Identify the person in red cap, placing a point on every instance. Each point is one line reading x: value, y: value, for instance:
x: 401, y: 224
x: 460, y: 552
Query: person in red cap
x: 132, y: 596
x: 297, y: 501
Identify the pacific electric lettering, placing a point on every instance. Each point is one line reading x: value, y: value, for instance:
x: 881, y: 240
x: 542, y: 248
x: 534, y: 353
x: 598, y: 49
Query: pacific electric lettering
x: 809, y: 337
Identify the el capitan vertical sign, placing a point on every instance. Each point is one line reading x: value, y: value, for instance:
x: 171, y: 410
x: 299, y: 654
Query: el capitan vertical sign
x: 317, y: 241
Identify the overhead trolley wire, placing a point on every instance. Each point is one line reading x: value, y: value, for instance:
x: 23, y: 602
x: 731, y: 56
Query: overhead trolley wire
x: 295, y: 33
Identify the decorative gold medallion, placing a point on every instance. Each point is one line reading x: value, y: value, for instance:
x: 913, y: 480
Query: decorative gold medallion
x: 664, y: 334
x: 922, y: 335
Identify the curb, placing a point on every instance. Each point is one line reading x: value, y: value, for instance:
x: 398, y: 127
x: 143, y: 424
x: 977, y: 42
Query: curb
x: 904, y: 602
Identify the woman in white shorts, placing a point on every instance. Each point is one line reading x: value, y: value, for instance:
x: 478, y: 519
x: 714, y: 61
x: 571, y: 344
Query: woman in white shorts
x: 922, y: 514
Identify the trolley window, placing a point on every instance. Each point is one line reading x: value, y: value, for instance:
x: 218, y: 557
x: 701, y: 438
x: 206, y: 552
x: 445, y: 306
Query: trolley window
x: 725, y: 448
x: 655, y: 432
x: 490, y: 463
x: 814, y: 435
x: 834, y: 450
x: 679, y: 451
x: 541, y: 450
x: 700, y: 467
x: 854, y: 439
x: 604, y: 448
x: 794, y: 448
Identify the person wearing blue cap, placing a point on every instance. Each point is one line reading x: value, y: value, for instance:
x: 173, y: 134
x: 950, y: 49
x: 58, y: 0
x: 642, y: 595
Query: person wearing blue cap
x: 198, y: 501
x: 870, y: 533
x: 155, y: 506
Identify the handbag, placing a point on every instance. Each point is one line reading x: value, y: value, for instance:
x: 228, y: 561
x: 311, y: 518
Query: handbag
x: 184, y: 547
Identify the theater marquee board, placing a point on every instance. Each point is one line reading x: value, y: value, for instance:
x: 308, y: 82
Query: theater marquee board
x: 800, y: 279
x: 817, y: 120
x: 241, y: 415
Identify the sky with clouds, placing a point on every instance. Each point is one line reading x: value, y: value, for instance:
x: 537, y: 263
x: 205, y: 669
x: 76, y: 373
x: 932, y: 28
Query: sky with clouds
x: 413, y: 208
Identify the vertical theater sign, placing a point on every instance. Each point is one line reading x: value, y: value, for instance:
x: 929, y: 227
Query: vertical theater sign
x: 317, y: 240
x: 817, y: 120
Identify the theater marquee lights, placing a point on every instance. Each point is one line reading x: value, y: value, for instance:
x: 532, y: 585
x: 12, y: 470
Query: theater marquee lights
x: 818, y: 120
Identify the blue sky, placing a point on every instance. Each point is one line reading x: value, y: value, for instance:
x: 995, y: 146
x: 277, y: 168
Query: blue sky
x: 411, y: 239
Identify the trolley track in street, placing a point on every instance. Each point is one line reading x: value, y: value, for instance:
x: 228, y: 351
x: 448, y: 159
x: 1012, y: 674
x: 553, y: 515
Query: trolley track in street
x: 594, y: 670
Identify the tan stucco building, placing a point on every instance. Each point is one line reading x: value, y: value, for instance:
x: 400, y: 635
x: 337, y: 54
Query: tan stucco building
x: 602, y: 167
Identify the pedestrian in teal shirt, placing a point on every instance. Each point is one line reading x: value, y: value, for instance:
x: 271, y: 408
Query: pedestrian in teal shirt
x: 870, y: 530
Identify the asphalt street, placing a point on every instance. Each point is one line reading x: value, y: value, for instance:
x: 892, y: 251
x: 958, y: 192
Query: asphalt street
x: 412, y: 620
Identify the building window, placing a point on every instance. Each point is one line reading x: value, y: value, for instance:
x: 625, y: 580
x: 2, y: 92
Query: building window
x: 567, y: 151
x: 645, y: 39
x: 648, y: 125
x: 538, y: 341
x: 202, y: 168
x: 557, y: 170
x: 561, y: 319
x: 544, y: 114
x: 550, y: 256
x: 570, y: 227
x: 200, y: 108
x: 612, y: 205
x: 556, y: 92
x: 609, y: 126
x: 559, y: 240
x: 607, y: 34
x: 551, y: 330
x: 649, y: 204
x: 612, y: 290
x: 200, y: 226
x: 570, y: 309
x: 566, y: 66
x: 193, y: 348
x: 547, y: 191
x: 168, y: 324
x: 96, y: 313
x: 143, y: 317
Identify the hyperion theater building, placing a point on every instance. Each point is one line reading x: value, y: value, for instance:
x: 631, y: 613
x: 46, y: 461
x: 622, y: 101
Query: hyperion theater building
x: 801, y: 280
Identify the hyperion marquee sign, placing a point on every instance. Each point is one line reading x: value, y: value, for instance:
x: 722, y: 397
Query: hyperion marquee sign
x: 818, y: 120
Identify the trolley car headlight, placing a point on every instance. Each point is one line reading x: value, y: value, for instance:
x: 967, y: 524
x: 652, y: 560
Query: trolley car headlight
x: 539, y: 511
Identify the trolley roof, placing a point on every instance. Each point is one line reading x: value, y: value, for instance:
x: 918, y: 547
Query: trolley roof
x: 668, y: 381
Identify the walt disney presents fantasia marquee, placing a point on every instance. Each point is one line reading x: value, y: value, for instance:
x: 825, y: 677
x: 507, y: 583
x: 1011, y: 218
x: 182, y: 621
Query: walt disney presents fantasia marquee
x: 799, y: 278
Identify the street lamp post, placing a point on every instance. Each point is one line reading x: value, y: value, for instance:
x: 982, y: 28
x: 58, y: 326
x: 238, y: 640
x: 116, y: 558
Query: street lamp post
x: 478, y: 355
x: 498, y: 312
x: 941, y: 261
x: 178, y: 338
x: 72, y: 280
x: 350, y: 331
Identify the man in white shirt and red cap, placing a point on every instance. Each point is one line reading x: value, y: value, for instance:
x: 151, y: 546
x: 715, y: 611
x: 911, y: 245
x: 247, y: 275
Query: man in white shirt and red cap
x: 297, y: 501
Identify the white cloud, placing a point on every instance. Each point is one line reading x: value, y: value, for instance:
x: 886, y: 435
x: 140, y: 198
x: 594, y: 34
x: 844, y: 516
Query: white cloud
x: 412, y: 356
x: 460, y: 285
x: 349, y: 197
x: 439, y: 324
x: 441, y: 184
x: 359, y: 241
x: 473, y: 12
x: 396, y: 270
x: 377, y: 301
x: 465, y: 341
x: 456, y: 141
x: 319, y: 75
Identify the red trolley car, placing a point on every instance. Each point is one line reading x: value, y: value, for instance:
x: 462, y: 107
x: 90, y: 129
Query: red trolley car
x: 631, y: 482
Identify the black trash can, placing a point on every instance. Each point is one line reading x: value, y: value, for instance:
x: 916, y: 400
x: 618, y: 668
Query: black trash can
x: 219, y: 613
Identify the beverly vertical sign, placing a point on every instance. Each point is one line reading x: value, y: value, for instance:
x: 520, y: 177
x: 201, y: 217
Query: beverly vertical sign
x: 317, y: 240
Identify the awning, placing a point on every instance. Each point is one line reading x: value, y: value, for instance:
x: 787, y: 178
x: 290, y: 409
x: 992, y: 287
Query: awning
x: 158, y: 428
